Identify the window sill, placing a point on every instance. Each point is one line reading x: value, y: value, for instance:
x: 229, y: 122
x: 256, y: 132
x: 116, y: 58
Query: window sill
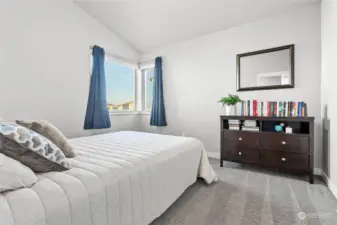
x: 122, y: 113
x: 129, y: 113
x: 145, y: 113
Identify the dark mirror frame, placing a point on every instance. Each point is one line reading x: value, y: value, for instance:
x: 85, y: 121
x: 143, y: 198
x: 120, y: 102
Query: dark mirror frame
x: 291, y: 63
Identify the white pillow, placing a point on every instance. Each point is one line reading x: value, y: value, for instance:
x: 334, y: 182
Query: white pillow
x: 14, y: 175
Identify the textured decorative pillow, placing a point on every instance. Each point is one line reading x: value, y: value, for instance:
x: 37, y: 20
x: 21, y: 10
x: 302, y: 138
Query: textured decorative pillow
x: 31, y: 149
x: 14, y: 175
x: 49, y: 131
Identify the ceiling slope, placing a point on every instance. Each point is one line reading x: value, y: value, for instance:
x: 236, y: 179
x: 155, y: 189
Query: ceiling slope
x: 148, y: 24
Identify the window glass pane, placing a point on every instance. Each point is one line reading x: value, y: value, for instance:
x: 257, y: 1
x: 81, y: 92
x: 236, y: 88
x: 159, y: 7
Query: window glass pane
x: 120, y: 86
x: 149, y: 82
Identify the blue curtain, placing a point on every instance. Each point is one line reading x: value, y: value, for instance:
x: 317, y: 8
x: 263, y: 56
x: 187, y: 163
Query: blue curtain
x: 97, y: 115
x: 158, y: 108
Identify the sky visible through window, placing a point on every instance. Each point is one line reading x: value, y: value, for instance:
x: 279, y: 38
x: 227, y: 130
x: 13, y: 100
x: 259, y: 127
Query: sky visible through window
x: 120, y: 85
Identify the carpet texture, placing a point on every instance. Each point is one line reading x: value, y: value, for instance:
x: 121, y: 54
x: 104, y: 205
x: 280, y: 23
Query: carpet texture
x: 247, y: 195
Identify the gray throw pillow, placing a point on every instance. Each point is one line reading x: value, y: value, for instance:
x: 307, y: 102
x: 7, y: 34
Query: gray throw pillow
x: 50, y: 132
x: 31, y: 149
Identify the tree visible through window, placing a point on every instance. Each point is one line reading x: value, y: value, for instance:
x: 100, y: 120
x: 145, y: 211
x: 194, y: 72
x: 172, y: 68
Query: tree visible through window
x: 120, y: 86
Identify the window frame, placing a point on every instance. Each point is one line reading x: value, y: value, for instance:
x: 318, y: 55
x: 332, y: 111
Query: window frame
x: 134, y: 66
x: 143, y: 67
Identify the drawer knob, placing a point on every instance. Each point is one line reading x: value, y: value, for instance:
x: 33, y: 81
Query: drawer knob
x: 283, y: 142
x: 240, y: 153
x: 240, y: 139
x: 283, y: 159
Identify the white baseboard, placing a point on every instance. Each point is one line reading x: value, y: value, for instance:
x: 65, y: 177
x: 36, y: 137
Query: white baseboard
x: 215, y: 155
x: 331, y: 186
x: 318, y: 171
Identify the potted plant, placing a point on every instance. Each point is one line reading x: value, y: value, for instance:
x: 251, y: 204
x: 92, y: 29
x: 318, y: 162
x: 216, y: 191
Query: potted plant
x: 230, y: 104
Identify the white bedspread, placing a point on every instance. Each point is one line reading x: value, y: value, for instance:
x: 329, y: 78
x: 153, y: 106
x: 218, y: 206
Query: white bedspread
x: 123, y: 178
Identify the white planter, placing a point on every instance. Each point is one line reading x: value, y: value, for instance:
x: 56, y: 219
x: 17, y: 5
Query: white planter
x: 230, y: 110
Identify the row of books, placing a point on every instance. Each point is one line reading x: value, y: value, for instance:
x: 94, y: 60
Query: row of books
x: 250, y: 125
x: 254, y: 129
x: 279, y: 108
x: 234, y: 124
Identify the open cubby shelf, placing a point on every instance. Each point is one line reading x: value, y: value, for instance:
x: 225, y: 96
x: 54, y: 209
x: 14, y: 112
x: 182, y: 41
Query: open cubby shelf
x: 300, y: 125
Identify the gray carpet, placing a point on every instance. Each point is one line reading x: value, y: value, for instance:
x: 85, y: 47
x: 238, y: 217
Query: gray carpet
x: 252, y: 196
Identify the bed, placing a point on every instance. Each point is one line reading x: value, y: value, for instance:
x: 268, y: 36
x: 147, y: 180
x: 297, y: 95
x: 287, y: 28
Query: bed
x: 122, y: 178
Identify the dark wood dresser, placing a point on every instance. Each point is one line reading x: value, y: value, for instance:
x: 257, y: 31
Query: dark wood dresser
x: 292, y: 153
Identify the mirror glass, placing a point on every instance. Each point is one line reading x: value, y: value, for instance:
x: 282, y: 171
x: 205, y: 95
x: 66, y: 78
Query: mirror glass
x: 267, y: 69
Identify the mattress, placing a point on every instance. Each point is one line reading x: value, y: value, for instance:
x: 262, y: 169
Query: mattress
x: 122, y: 178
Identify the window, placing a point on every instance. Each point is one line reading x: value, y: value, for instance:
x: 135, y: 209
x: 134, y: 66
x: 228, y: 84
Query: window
x: 129, y: 86
x: 120, y: 86
x: 148, y: 81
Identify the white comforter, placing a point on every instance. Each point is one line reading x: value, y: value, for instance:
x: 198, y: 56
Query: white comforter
x: 123, y: 178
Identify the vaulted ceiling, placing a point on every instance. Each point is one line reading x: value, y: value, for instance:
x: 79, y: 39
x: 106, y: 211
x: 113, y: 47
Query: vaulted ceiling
x: 147, y: 24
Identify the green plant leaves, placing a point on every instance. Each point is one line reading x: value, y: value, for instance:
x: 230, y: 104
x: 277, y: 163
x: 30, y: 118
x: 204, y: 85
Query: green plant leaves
x: 230, y: 100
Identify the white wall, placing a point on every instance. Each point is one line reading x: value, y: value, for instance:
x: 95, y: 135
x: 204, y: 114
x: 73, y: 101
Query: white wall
x: 45, y: 62
x: 329, y: 89
x: 198, y: 72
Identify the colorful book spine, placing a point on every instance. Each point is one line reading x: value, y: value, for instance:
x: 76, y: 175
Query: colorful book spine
x: 268, y: 108
x: 290, y: 109
x: 273, y: 108
x: 294, y: 108
x: 246, y: 104
x: 242, y: 108
x: 246, y: 107
x: 255, y: 108
x: 279, y: 109
x: 285, y: 108
x: 251, y: 103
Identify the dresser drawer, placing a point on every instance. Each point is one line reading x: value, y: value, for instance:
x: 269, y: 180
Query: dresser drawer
x: 245, y: 155
x: 287, y: 143
x: 285, y: 160
x: 229, y: 138
x: 247, y: 140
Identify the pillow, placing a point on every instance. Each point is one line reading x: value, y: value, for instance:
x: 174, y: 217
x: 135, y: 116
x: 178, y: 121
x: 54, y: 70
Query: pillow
x: 31, y: 149
x: 50, y: 132
x: 14, y: 175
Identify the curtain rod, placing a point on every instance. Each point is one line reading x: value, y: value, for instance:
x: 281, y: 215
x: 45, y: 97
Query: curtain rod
x: 124, y: 59
x: 117, y: 57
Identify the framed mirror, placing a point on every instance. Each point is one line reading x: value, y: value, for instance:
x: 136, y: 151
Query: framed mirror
x: 266, y: 69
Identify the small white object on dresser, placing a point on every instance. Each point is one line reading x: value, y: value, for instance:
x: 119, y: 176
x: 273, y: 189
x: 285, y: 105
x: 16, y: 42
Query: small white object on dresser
x: 289, y: 130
